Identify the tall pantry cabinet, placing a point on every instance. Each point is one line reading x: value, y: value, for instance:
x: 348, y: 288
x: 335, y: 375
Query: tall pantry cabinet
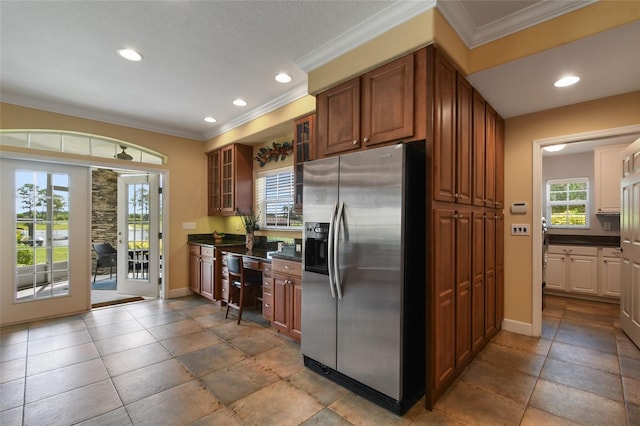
x: 466, y: 300
x: 464, y: 161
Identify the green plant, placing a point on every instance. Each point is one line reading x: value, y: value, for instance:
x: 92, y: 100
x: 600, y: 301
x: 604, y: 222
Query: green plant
x: 25, y: 256
x: 249, y: 220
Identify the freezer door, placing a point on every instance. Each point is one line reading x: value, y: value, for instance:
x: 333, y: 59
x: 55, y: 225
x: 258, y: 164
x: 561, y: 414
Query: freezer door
x: 320, y: 195
x: 370, y: 260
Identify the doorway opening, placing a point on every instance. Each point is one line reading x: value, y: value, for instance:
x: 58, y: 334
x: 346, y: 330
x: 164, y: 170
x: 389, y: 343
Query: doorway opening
x: 126, y: 223
x: 578, y: 143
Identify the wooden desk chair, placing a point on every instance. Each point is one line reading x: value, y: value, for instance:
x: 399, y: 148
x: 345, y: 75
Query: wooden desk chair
x: 240, y: 285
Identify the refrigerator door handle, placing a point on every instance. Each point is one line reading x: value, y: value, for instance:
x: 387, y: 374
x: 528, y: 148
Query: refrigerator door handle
x: 336, y: 238
x: 330, y: 250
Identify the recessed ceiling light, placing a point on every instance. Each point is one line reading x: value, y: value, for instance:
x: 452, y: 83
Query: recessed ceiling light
x: 240, y: 102
x: 283, y: 78
x: 555, y: 148
x: 567, y: 81
x: 210, y: 119
x: 130, y: 54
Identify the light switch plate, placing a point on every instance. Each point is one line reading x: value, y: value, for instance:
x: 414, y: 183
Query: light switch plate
x: 519, y: 229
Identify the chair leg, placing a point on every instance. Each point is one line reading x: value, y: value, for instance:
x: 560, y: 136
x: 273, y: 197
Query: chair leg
x: 95, y: 274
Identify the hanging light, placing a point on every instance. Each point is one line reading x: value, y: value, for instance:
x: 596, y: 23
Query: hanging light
x: 123, y: 155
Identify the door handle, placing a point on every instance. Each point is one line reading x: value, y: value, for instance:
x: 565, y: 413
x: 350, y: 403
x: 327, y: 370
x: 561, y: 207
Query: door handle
x: 336, y: 263
x: 330, y: 250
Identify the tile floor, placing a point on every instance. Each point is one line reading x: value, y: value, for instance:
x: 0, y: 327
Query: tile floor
x: 179, y: 362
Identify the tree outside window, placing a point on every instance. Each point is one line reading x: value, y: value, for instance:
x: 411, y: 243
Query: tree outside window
x: 568, y: 203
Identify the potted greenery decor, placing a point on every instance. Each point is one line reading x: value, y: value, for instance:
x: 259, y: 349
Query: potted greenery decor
x: 250, y: 223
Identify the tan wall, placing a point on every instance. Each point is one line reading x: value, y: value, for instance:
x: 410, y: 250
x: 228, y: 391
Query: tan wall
x: 520, y: 132
x: 186, y: 166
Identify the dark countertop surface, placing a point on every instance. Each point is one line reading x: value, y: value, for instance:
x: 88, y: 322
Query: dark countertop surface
x: 585, y: 240
x: 288, y: 253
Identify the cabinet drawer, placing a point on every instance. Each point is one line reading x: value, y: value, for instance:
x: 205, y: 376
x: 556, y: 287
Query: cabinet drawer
x: 267, y: 305
x: 611, y: 252
x: 225, y: 273
x: 206, y: 251
x: 574, y: 250
x: 267, y: 284
x: 193, y: 249
x: 251, y: 263
x: 288, y: 267
x: 266, y: 269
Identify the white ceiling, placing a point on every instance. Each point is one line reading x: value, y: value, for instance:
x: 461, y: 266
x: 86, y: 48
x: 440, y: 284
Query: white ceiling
x: 200, y: 55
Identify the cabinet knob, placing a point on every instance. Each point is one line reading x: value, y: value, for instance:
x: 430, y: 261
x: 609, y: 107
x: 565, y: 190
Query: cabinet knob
x: 456, y: 195
x: 355, y: 142
x: 366, y: 139
x: 266, y: 305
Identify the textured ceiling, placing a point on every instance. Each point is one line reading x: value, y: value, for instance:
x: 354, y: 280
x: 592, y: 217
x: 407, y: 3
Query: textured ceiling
x: 200, y: 55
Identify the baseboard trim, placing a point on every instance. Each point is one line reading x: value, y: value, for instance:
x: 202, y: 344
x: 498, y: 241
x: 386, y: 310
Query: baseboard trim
x: 179, y: 292
x: 517, y: 327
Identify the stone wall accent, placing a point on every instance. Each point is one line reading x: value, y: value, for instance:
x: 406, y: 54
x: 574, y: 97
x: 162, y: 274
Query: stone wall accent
x: 104, y: 207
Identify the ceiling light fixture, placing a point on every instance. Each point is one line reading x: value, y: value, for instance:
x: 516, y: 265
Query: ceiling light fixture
x: 283, y: 78
x: 240, y: 102
x: 210, y: 119
x: 555, y: 148
x: 123, y: 155
x: 567, y: 81
x: 130, y: 54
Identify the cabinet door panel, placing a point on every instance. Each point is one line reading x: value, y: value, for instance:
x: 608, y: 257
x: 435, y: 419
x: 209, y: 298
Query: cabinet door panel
x: 477, y: 276
x: 499, y: 269
x: 583, y: 274
x: 477, y: 195
x: 556, y: 272
x: 194, y: 272
x: 444, y: 298
x: 499, y: 175
x: 207, y: 277
x: 387, y: 106
x: 214, y: 183
x: 490, y: 157
x: 281, y: 303
x: 296, y: 314
x: 611, y: 268
x: 490, y: 275
x: 463, y: 286
x: 464, y: 139
x: 444, y: 152
x: 338, y: 115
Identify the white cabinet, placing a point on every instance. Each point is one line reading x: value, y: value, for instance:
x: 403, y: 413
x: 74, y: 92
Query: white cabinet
x: 573, y: 269
x: 609, y: 269
x: 607, y: 172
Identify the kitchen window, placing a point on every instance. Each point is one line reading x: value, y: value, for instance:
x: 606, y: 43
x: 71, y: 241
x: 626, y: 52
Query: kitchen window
x: 274, y: 198
x: 568, y: 203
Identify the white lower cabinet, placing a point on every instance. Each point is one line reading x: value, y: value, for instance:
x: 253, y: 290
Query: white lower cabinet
x: 609, y: 269
x: 573, y: 269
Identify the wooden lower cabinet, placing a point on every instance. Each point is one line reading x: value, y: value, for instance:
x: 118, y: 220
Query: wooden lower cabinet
x: 287, y: 297
x: 202, y: 270
x: 267, y: 292
x: 467, y: 276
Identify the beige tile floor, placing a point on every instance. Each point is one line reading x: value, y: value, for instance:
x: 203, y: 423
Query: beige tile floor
x: 179, y: 362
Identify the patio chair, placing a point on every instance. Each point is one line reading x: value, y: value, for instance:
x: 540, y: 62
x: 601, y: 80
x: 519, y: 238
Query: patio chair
x: 107, y: 256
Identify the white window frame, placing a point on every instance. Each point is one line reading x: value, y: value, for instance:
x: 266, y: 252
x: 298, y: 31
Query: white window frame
x: 262, y: 202
x: 586, y: 203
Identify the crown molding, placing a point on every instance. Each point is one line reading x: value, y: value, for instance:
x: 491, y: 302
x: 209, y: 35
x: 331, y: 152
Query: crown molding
x: 390, y: 17
x: 292, y: 95
x: 105, y: 117
x: 457, y: 16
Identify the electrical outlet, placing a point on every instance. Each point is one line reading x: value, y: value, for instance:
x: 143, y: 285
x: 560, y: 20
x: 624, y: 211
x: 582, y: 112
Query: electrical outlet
x: 188, y: 225
x: 519, y: 229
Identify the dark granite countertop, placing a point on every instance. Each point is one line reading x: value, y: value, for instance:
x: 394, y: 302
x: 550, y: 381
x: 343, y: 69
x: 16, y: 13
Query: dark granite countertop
x: 238, y: 246
x: 585, y: 240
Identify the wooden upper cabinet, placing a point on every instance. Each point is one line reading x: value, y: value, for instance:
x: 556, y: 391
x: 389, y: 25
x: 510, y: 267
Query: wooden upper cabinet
x: 387, y: 102
x: 444, y: 128
x: 338, y: 114
x: 490, y: 157
x: 478, y: 125
x: 464, y: 139
x: 499, y: 162
x: 230, y: 180
x: 303, y: 144
x: 384, y: 105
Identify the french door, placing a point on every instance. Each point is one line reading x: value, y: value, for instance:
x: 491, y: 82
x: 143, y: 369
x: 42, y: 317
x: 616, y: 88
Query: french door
x: 138, y: 235
x: 44, y: 240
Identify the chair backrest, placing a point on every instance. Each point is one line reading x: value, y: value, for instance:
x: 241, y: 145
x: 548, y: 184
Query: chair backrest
x: 234, y: 264
x: 104, y: 248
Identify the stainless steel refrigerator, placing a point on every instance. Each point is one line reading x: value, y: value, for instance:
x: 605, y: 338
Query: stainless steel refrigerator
x: 363, y: 280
